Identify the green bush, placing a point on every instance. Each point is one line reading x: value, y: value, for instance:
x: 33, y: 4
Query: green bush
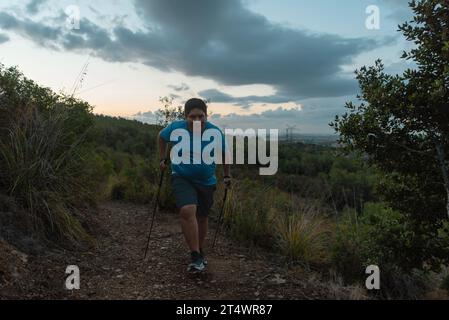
x: 352, y: 182
x: 135, y: 179
x: 44, y: 149
x: 118, y: 191
x: 383, y: 237
x: 445, y: 284
x: 250, y: 211
x: 125, y: 136
x: 369, y: 238
x: 303, y: 236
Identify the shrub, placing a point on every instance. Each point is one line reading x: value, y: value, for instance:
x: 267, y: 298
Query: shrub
x: 445, y: 283
x: 366, y: 239
x: 303, y: 236
x: 379, y: 236
x: 43, y: 152
x: 118, y: 191
x: 251, y: 211
x: 268, y: 217
x: 43, y: 169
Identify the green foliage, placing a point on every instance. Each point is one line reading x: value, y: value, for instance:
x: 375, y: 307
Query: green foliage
x: 369, y: 239
x: 379, y: 232
x: 382, y: 236
x: 303, y: 235
x: 352, y: 182
x: 16, y: 92
x: 265, y: 216
x: 126, y: 161
x: 445, y: 284
x: 320, y: 172
x: 126, y: 136
x: 43, y: 152
x: 250, y: 212
x: 125, y: 176
x: 401, y: 125
x: 168, y: 113
x: 308, y: 160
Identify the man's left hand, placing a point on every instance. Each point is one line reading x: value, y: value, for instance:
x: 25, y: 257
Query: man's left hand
x: 227, y: 181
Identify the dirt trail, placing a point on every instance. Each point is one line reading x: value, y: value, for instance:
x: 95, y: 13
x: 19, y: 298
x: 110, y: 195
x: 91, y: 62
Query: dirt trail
x: 115, y: 269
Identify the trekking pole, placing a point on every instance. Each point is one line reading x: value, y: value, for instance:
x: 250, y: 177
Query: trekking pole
x: 220, y: 217
x: 154, y: 213
x: 155, y: 205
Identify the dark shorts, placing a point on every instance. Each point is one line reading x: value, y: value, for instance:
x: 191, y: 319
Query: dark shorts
x: 189, y: 193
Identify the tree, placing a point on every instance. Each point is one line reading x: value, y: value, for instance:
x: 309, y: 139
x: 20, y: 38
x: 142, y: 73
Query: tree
x: 402, y: 124
x: 168, y: 113
x: 430, y: 31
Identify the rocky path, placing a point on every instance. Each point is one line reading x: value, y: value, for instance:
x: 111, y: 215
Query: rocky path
x: 115, y: 268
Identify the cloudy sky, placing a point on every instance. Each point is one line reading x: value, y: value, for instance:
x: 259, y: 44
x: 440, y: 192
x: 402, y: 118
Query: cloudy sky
x: 261, y: 63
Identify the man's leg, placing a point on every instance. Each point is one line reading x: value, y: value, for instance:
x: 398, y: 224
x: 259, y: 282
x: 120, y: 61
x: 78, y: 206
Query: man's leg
x: 205, y: 202
x: 203, y: 224
x: 189, y: 226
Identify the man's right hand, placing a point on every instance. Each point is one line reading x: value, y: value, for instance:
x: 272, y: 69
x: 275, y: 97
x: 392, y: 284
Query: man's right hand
x: 163, y: 165
x: 227, y: 182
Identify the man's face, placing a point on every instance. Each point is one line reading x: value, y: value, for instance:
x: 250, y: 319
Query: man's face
x: 197, y: 115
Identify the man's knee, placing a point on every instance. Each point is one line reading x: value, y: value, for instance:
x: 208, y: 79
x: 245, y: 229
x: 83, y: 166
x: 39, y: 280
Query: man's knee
x: 188, y: 212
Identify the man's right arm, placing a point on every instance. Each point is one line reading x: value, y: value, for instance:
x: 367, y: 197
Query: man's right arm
x: 163, y: 150
x: 162, y: 147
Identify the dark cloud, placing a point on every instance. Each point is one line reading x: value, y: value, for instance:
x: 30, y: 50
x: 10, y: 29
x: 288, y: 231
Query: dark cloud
x: 281, y: 113
x: 179, y: 88
x: 224, y: 41
x: 174, y: 96
x: 219, y: 40
x: 215, y: 116
x: 217, y: 96
x: 34, y: 6
x: 3, y: 38
x: 313, y: 117
x: 39, y: 33
x: 146, y: 117
x: 90, y: 37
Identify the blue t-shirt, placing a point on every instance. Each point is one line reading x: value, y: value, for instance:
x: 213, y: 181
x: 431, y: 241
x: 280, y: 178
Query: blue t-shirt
x: 203, y: 174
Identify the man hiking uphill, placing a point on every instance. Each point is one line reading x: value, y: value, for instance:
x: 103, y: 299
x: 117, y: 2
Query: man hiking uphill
x: 193, y: 182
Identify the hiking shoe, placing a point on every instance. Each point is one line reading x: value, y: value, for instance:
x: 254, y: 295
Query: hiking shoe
x: 204, y: 257
x: 197, y: 264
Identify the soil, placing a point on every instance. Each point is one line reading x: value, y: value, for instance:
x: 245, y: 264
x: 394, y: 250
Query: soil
x: 114, y: 268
